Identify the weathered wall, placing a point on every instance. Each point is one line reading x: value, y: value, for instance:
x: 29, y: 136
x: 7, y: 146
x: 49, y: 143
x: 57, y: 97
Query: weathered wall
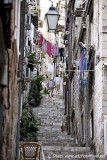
x: 98, y: 102
x: 100, y: 98
x: 98, y: 122
x: 10, y: 99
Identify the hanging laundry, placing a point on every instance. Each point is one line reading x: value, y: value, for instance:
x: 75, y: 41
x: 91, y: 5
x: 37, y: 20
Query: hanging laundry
x: 44, y: 45
x: 83, y: 69
x: 40, y: 40
x: 50, y: 68
x: 85, y: 73
x: 54, y: 50
x: 48, y: 48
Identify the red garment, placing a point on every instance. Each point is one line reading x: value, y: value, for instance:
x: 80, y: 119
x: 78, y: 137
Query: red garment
x: 48, y: 48
x: 44, y: 45
x: 54, y: 50
x: 40, y: 39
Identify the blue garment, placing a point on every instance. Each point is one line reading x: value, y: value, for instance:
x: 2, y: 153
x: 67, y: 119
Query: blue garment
x: 83, y: 69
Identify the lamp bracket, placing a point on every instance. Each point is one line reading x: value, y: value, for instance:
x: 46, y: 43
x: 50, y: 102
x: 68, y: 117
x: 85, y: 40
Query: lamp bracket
x: 51, y: 2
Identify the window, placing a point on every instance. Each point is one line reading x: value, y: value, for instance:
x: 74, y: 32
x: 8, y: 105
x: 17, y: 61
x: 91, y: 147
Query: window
x: 27, y: 19
x: 91, y: 26
x: 92, y: 126
x: 82, y: 119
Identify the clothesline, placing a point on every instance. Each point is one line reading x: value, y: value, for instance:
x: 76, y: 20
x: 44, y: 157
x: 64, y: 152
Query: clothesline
x: 77, y: 70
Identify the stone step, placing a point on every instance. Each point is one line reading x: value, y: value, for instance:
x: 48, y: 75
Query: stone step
x: 55, y: 138
x: 57, y: 143
x: 55, y: 135
x: 63, y: 148
x: 57, y: 156
x: 42, y: 132
x: 50, y: 129
x: 65, y: 153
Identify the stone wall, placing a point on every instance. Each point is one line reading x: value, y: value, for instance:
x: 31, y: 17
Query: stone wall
x: 100, y: 98
x: 10, y: 101
x: 98, y: 101
x: 98, y: 121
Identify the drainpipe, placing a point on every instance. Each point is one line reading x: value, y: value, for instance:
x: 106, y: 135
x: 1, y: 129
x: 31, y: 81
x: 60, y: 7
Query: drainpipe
x: 69, y: 69
x: 65, y: 86
x: 98, y: 24
x: 1, y: 121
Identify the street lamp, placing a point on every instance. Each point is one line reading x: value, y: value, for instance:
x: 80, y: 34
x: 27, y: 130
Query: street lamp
x: 51, y: 19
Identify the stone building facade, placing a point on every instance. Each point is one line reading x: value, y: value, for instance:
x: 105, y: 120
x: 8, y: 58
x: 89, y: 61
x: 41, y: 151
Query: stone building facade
x: 8, y: 81
x: 86, y: 22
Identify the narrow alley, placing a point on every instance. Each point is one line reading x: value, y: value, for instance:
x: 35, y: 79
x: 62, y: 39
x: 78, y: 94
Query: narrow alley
x: 57, y: 145
x: 58, y: 45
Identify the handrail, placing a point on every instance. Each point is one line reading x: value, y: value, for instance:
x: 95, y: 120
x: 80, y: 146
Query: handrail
x: 51, y: 2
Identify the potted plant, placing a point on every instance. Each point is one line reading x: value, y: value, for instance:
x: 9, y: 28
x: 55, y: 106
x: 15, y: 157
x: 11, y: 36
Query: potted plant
x: 36, y: 94
x: 29, y: 125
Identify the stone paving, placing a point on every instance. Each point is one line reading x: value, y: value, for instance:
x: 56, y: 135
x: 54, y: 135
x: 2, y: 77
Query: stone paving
x: 56, y: 145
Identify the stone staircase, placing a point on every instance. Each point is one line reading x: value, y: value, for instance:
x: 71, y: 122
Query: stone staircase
x: 57, y: 145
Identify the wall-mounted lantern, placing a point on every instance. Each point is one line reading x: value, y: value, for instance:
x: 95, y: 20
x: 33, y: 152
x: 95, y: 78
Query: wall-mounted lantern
x: 51, y: 19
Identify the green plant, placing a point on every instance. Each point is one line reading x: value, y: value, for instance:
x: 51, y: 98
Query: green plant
x: 42, y: 55
x: 24, y: 85
x: 36, y: 95
x: 29, y: 125
x: 46, y: 91
x: 32, y: 61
